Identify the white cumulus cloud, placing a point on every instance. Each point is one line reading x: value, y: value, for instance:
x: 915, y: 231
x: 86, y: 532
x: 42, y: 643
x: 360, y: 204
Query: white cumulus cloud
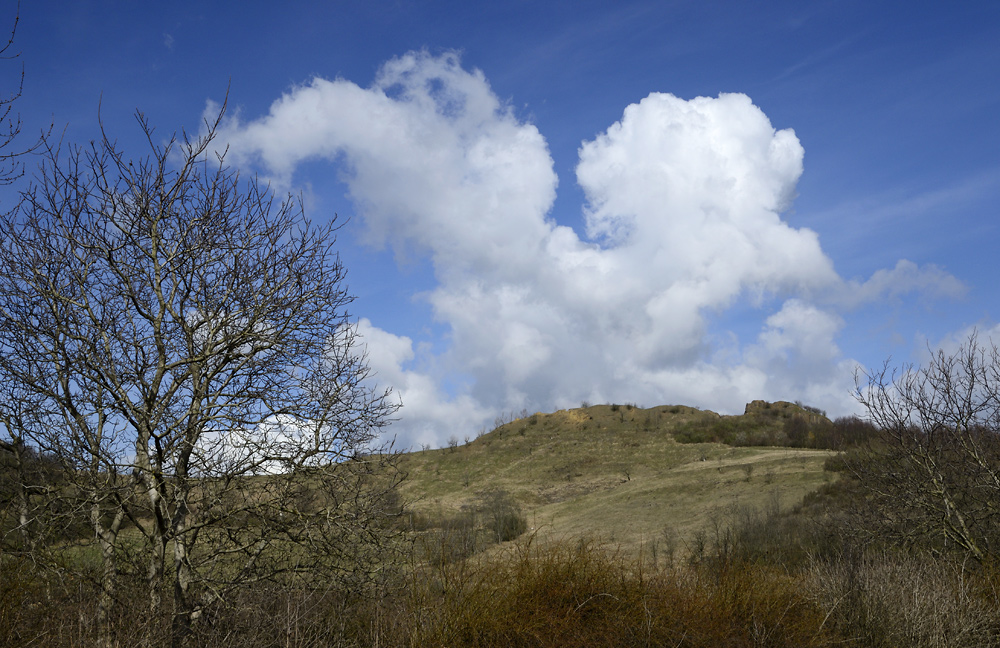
x: 431, y: 415
x: 684, y: 218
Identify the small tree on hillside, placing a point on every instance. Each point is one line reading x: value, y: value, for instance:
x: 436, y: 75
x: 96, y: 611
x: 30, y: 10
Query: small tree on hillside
x: 187, y: 342
x: 503, y: 517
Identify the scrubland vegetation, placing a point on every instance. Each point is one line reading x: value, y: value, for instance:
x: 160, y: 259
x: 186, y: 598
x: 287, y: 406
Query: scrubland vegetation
x: 474, y: 567
x: 761, y: 578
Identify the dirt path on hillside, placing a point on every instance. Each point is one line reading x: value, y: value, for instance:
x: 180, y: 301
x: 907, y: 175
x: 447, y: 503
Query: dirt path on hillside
x: 764, y: 456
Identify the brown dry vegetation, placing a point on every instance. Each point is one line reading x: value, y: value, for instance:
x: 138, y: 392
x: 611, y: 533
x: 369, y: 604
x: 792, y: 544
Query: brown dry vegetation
x: 568, y: 594
x: 737, y: 557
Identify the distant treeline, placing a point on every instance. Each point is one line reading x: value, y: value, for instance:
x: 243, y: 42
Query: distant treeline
x: 779, y: 427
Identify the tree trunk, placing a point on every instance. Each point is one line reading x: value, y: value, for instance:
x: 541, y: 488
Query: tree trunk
x: 106, y: 599
x: 185, y: 612
x: 107, y: 538
x: 154, y: 577
x: 22, y: 503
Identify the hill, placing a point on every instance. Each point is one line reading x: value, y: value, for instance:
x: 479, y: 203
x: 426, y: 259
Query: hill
x: 620, y: 473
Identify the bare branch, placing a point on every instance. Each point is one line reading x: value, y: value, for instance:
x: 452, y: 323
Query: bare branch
x: 11, y: 167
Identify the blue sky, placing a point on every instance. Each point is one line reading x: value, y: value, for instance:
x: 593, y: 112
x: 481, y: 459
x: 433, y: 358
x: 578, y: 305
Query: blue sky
x: 543, y: 212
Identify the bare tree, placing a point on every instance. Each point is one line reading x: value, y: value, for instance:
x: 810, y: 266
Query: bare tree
x: 933, y: 473
x: 187, y: 340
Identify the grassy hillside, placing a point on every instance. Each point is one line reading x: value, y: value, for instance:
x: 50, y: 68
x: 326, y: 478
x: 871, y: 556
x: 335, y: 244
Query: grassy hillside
x: 617, y: 473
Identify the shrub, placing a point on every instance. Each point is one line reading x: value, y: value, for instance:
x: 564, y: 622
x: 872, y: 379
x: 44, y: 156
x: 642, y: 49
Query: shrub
x: 583, y: 594
x: 797, y: 430
x: 890, y: 599
x: 450, y: 539
x: 504, y: 519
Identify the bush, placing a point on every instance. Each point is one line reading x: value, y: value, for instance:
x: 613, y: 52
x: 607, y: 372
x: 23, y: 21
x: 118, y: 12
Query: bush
x: 797, y: 431
x: 890, y: 599
x: 504, y: 519
x: 582, y: 594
